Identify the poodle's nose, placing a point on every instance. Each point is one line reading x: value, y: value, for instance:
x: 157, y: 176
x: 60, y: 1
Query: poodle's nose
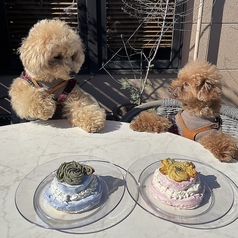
x: 72, y: 74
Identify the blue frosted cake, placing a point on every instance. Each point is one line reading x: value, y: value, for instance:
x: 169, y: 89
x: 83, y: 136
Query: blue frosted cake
x: 74, y: 188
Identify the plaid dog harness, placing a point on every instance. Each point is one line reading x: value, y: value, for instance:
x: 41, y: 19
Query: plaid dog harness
x: 68, y: 86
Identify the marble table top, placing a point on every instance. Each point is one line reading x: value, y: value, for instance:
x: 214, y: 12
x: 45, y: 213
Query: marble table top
x: 26, y: 146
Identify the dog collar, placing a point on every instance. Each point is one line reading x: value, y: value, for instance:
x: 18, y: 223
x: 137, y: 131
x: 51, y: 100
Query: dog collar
x: 31, y: 81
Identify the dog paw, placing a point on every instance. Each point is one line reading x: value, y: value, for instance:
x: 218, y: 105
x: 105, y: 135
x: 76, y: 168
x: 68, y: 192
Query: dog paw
x: 90, y: 119
x: 43, y: 112
x: 47, y: 112
x: 149, y: 121
x: 225, y: 157
x: 228, y: 152
x: 95, y: 123
x: 222, y: 146
x: 96, y: 126
x: 43, y: 108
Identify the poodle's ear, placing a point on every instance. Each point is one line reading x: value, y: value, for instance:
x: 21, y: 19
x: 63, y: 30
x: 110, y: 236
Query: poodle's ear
x: 34, y: 56
x: 209, y: 91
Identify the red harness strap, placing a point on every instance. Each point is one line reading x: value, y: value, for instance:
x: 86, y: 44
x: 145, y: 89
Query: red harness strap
x: 30, y: 80
x: 67, y: 90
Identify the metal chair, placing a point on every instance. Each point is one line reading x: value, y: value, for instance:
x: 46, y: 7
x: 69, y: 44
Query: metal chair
x: 168, y: 106
x: 10, y: 116
x: 5, y: 115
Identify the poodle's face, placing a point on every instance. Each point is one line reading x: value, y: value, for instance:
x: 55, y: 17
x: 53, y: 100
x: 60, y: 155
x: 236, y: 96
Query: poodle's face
x: 51, y: 51
x: 197, y: 81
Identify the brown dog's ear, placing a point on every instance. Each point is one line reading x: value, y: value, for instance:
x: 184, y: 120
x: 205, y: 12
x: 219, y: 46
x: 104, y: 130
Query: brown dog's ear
x: 209, y: 91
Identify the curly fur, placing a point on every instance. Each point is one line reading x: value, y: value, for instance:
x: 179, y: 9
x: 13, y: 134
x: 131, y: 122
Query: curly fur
x: 50, y: 53
x: 199, y: 89
x: 148, y: 121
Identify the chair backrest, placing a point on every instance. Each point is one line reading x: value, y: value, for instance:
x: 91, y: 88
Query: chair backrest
x: 168, y: 106
x: 5, y: 114
x: 229, y: 116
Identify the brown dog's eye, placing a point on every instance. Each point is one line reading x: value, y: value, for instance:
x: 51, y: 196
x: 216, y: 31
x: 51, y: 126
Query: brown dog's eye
x: 74, y: 56
x: 58, y: 57
x: 185, y: 85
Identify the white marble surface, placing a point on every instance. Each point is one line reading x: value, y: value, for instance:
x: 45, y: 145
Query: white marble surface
x: 25, y: 146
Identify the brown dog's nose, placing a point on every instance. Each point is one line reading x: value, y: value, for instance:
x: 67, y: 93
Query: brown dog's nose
x: 72, y: 74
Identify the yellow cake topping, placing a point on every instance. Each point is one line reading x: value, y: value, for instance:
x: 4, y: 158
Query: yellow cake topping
x: 177, y: 170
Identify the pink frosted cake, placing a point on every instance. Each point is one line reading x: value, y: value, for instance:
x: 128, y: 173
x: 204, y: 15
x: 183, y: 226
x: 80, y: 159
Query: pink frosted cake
x: 177, y: 184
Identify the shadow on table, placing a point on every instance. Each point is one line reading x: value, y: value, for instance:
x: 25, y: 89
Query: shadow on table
x: 211, y: 184
x: 210, y: 180
x: 64, y: 124
x: 111, y: 185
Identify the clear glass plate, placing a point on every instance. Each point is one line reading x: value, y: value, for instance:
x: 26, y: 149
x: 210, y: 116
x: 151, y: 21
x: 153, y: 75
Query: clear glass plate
x: 219, y: 197
x: 224, y: 220
x: 29, y: 201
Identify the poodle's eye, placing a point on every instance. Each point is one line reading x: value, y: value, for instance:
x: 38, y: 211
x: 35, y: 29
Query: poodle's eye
x: 74, y: 56
x: 58, y: 57
x: 185, y: 85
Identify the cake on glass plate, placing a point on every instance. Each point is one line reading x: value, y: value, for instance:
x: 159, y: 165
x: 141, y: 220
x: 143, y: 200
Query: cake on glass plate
x: 75, y: 188
x: 177, y: 184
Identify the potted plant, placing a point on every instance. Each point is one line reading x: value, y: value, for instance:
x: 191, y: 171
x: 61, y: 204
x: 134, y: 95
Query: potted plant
x: 144, y: 13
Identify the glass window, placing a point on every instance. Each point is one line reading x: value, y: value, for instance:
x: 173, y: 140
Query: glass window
x: 119, y: 35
